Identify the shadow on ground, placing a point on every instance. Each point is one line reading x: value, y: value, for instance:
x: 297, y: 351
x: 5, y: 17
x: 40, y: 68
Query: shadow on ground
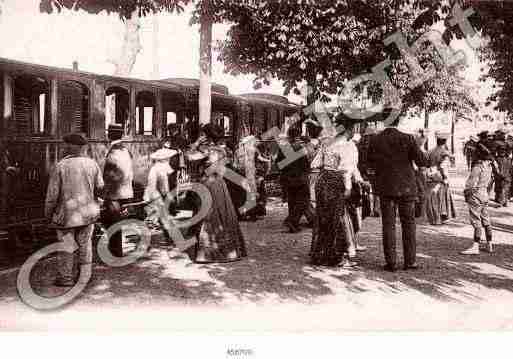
x: 277, y: 271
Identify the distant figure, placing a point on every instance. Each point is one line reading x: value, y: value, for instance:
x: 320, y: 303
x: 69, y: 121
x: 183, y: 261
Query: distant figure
x: 72, y: 207
x: 421, y: 174
x: 118, y: 175
x: 505, y: 171
x: 175, y: 141
x: 392, y: 154
x: 477, y: 196
x: 246, y: 166
x: 439, y: 202
x: 368, y: 173
x: 157, y: 190
x: 487, y: 141
x: 8, y: 175
x: 295, y: 179
x: 469, y: 150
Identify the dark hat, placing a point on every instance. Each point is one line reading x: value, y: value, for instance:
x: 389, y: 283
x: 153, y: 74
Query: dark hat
x: 213, y: 131
x: 75, y: 139
x: 115, y: 127
x: 483, y: 134
x: 483, y: 153
x: 115, y: 131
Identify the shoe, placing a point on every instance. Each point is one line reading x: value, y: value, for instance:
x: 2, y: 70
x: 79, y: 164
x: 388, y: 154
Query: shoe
x: 389, y: 268
x: 473, y: 250
x: 292, y: 228
x: 488, y: 247
x: 59, y: 282
x: 413, y: 266
x: 347, y: 263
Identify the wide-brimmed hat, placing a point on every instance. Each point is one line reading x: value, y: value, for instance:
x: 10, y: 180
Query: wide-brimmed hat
x: 195, y: 156
x: 163, y: 154
x: 247, y: 139
x: 76, y: 139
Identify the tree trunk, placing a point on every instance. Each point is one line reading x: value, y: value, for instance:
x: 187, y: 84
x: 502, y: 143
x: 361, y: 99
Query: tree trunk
x: 125, y: 62
x: 453, y: 124
x: 311, y: 89
x: 131, y: 46
x: 426, y: 129
x: 205, y: 91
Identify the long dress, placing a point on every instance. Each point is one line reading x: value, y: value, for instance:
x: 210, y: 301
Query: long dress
x: 333, y: 233
x: 439, y: 202
x: 220, y: 237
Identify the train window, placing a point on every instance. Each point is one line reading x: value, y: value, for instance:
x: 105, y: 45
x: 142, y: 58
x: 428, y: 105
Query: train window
x: 73, y: 107
x: 145, y: 113
x: 170, y: 118
x: 40, y: 127
x: 116, y: 106
x: 31, y: 105
x: 227, y: 125
x: 148, y: 124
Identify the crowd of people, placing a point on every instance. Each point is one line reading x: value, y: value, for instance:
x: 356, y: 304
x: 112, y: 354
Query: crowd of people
x: 339, y: 179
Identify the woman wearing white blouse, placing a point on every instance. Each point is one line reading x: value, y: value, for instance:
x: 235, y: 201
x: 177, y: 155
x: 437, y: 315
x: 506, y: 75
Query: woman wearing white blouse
x: 333, y: 234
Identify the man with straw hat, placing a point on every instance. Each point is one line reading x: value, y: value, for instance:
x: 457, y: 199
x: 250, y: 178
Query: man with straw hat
x: 118, y: 175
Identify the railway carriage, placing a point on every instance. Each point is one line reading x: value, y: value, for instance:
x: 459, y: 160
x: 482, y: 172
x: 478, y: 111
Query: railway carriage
x: 39, y: 104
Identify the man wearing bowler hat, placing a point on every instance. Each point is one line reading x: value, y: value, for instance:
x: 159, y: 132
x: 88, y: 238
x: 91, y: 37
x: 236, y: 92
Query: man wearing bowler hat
x: 118, y: 175
x: 71, y: 204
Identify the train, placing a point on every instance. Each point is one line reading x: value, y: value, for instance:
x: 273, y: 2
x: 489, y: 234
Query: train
x: 39, y: 104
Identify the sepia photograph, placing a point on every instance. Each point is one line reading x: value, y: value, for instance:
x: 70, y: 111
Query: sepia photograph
x: 243, y: 166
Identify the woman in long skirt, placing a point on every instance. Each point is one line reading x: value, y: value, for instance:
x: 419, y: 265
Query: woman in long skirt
x: 439, y: 202
x: 220, y: 238
x: 333, y: 236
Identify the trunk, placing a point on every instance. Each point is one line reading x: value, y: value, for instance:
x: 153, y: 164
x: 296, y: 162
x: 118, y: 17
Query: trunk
x: 126, y: 60
x: 131, y: 46
x: 205, y: 91
x: 311, y: 83
x: 426, y: 129
x: 453, y: 124
x: 156, y: 46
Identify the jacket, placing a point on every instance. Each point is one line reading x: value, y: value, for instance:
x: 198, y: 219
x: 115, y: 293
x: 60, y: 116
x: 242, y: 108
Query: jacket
x: 118, y: 173
x: 476, y: 186
x: 296, y: 172
x: 392, y: 154
x: 71, y: 194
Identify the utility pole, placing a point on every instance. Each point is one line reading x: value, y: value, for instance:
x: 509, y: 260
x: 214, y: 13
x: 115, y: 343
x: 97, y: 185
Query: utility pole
x: 156, y: 45
x: 205, y: 63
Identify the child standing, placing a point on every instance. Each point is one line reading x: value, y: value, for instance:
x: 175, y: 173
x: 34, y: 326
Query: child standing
x: 477, y: 196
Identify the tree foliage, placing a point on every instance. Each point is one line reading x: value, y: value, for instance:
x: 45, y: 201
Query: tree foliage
x: 493, y: 19
x: 327, y: 43
x: 124, y: 8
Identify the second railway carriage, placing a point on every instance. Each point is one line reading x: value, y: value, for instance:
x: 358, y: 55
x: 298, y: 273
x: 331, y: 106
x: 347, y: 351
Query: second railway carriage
x: 39, y: 104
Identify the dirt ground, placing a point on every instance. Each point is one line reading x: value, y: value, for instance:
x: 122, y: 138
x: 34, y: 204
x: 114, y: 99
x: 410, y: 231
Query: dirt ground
x: 276, y: 289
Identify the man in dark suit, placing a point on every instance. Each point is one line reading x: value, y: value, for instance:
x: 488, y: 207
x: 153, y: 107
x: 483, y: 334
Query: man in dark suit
x: 391, y: 154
